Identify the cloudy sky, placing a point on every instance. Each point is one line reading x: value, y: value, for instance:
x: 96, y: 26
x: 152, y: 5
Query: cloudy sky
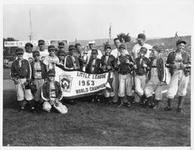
x: 90, y: 19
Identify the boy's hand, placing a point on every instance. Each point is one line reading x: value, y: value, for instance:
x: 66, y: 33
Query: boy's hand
x: 145, y: 65
x: 15, y: 81
x: 108, y: 67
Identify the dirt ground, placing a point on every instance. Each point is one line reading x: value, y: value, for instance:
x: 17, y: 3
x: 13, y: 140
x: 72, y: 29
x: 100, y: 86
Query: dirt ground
x: 93, y: 124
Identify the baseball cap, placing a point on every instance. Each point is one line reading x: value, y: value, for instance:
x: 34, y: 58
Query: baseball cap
x: 41, y: 42
x: 72, y: 48
x: 19, y: 51
x: 156, y: 48
x: 61, y: 44
x: 143, y: 50
x: 181, y: 41
x: 91, y: 42
x: 141, y: 36
x: 61, y: 53
x: 107, y: 46
x: 94, y: 51
x: 51, y: 47
x: 51, y: 73
x: 36, y: 53
x: 28, y: 44
x: 122, y: 46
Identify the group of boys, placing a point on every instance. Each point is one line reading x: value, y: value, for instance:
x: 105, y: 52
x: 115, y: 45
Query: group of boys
x: 140, y: 73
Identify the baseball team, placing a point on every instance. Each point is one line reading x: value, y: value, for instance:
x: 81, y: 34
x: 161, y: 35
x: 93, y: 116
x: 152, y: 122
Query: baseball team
x: 136, y: 77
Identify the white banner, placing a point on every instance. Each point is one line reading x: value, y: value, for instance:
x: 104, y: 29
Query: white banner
x: 77, y: 83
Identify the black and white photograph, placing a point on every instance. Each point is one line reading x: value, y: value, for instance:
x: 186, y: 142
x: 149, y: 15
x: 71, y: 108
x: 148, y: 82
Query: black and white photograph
x: 96, y: 73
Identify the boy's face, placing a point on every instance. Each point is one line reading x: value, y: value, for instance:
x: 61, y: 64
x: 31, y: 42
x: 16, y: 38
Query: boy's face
x: 91, y: 46
x: 61, y: 57
x: 52, y: 52
x: 94, y: 55
x: 155, y: 53
x: 51, y: 78
x: 37, y: 57
x: 42, y: 47
x: 20, y: 56
x: 122, y: 51
x: 142, y: 54
x: 181, y: 47
x: 117, y: 43
x: 28, y: 49
x: 108, y: 51
x: 75, y: 54
x: 140, y: 41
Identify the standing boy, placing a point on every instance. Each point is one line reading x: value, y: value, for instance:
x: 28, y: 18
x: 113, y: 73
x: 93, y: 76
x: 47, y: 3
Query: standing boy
x: 94, y: 63
x: 71, y: 61
x: 38, y: 73
x: 108, y: 62
x: 21, y: 75
x: 51, y: 60
x: 142, y: 66
x: 179, y: 64
x: 125, y: 66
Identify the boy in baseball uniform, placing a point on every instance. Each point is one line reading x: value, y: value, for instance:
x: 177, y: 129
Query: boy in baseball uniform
x: 51, y: 94
x: 141, y: 67
x: 71, y: 61
x: 125, y: 66
x: 38, y: 74
x: 94, y: 63
x: 21, y: 75
x: 178, y: 62
x: 153, y: 88
x: 108, y: 62
x: 51, y: 60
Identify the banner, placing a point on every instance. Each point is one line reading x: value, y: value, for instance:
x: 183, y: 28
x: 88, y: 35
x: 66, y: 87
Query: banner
x: 78, y: 84
x: 34, y: 43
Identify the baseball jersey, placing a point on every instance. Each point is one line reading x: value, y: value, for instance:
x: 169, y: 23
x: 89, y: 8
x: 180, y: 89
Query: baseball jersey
x: 98, y: 56
x: 115, y: 52
x: 137, y: 48
x: 28, y: 56
x: 51, y: 61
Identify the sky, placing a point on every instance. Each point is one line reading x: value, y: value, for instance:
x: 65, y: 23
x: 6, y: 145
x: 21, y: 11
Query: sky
x: 90, y: 19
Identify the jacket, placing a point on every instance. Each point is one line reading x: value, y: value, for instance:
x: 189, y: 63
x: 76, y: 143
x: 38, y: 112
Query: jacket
x: 110, y: 62
x: 141, y: 70
x: 43, y: 70
x: 21, y: 72
x: 123, y: 66
x: 185, y: 60
x: 160, y: 68
x: 45, y: 91
x: 69, y: 63
x: 93, y: 68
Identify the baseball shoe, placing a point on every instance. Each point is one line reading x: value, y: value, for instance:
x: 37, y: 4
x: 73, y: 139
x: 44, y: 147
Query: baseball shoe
x: 167, y: 108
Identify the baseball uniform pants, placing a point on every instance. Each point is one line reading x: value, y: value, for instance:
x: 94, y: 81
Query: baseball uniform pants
x: 125, y: 85
x: 23, y: 93
x: 140, y: 82
x: 178, y: 84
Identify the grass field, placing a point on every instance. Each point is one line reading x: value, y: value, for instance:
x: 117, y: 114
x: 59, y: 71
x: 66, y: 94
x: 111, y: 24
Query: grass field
x: 93, y: 124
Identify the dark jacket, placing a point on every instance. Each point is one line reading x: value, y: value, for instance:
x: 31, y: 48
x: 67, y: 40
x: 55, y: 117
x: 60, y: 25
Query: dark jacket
x: 160, y: 68
x: 171, y: 61
x: 21, y: 72
x: 140, y: 69
x: 124, y: 67
x: 96, y: 67
x: 43, y: 70
x: 110, y: 62
x: 69, y: 63
x: 45, y: 91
